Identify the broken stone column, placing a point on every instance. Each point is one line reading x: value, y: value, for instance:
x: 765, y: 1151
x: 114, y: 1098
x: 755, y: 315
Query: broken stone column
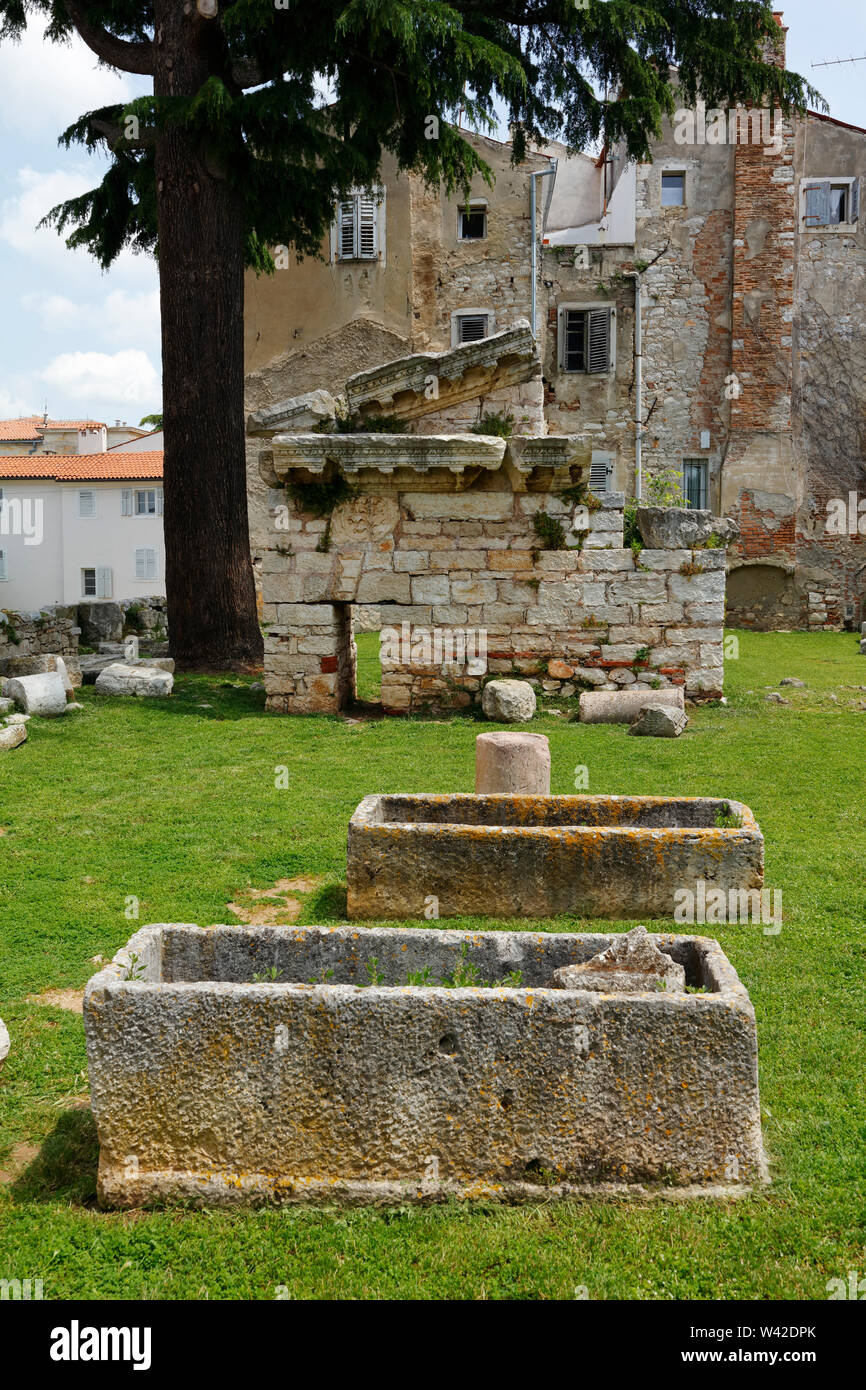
x: 516, y: 763
x: 621, y: 706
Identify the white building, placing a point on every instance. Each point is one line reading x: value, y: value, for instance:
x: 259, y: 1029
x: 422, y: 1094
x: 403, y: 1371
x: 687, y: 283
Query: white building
x: 36, y: 434
x: 79, y: 526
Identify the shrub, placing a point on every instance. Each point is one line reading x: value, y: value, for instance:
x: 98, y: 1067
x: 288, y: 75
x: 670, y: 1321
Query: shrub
x: 493, y: 423
x: 549, y: 531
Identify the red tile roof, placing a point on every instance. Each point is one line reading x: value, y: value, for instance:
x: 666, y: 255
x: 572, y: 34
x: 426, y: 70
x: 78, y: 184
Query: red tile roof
x: 62, y: 468
x: 33, y: 426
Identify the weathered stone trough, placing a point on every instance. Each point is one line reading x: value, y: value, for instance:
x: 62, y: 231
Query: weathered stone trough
x: 208, y: 1085
x: 536, y: 856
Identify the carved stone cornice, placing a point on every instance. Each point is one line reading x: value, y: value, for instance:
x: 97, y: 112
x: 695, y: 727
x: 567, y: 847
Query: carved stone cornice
x: 385, y: 452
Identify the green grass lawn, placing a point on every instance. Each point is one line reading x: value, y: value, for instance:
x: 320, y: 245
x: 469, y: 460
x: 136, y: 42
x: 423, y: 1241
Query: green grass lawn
x: 174, y: 803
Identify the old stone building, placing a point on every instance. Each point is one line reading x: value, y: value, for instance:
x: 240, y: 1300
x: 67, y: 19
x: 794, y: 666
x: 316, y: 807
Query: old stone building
x: 742, y: 248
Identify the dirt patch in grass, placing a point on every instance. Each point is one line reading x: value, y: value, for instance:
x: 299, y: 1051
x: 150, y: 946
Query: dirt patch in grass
x: 273, y: 907
x: 71, y: 999
x: 21, y: 1155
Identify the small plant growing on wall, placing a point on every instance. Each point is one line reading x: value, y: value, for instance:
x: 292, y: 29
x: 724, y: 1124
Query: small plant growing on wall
x: 689, y: 568
x: 321, y: 498
x: 549, y: 531
x: 362, y: 424
x: 665, y: 489
x: 493, y: 423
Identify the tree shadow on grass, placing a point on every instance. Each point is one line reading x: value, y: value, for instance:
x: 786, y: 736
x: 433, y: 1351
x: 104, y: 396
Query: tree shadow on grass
x: 65, y: 1166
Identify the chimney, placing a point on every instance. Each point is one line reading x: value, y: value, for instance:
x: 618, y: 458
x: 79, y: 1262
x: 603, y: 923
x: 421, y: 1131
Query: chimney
x: 776, y: 52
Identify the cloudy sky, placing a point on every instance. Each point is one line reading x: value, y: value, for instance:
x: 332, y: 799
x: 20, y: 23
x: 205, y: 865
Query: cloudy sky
x: 87, y: 342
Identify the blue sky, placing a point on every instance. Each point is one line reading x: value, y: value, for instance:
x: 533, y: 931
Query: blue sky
x: 87, y: 342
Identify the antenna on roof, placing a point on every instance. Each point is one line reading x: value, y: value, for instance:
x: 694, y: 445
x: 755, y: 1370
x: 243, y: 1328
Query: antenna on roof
x: 831, y: 62
x: 45, y: 414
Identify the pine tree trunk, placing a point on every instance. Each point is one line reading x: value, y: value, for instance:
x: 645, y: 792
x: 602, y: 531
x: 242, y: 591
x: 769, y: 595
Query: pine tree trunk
x: 212, y: 617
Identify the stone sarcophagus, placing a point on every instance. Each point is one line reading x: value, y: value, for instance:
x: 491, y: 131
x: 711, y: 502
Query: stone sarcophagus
x: 275, y: 1064
x: 539, y: 856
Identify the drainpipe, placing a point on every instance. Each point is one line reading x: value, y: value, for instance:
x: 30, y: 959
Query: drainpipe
x: 638, y: 392
x: 638, y: 387
x: 536, y: 174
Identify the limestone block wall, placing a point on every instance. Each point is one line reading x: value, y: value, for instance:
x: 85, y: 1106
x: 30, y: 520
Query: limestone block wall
x: 52, y: 631
x: 468, y: 567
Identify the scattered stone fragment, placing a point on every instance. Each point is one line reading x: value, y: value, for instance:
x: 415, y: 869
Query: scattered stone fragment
x: 6, y: 706
x: 621, y: 706
x: 44, y: 695
x: 510, y: 702
x: 17, y: 719
x: 516, y: 763
x: 792, y: 680
x: 123, y: 678
x: 657, y: 722
x: 256, y: 685
x: 559, y: 670
x: 629, y: 965
x: 72, y: 706
x: 12, y: 738
x: 776, y: 699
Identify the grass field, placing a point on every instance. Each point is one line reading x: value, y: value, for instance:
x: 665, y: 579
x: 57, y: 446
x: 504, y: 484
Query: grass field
x: 175, y: 803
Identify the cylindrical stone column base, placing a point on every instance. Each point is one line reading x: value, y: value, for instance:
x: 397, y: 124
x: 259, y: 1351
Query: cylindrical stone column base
x: 517, y: 763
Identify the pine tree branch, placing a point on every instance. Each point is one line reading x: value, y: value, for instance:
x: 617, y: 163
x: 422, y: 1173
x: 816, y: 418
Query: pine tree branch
x: 120, y: 53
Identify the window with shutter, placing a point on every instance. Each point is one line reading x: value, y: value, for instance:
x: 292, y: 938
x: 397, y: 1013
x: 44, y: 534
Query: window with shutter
x: 346, y: 239
x: 3, y: 574
x: 145, y: 563
x: 573, y: 330
x: 145, y: 502
x: 854, y: 212
x: 103, y: 582
x: 126, y: 501
x: 87, y: 504
x: 357, y: 236
x: 599, y: 340
x: 366, y: 229
x: 88, y: 583
x: 160, y: 501
x: 600, y: 471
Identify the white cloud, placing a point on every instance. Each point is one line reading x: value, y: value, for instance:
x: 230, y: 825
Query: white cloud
x: 46, y: 86
x: 14, y: 407
x: 54, y: 311
x: 131, y: 316
x: 39, y: 193
x: 127, y: 377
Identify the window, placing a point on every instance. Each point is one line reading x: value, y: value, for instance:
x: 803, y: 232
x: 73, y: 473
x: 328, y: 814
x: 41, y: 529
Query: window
x: 586, y: 339
x: 96, y: 583
x: 145, y: 501
x: 673, y: 190
x: 145, y: 563
x: 829, y: 203
x: 470, y: 326
x: 87, y: 504
x: 472, y: 222
x: 695, y: 482
x: 600, y: 471
x: 3, y: 574
x: 358, y: 228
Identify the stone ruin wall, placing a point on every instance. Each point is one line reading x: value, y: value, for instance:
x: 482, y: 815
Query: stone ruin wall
x: 52, y: 631
x: 567, y: 619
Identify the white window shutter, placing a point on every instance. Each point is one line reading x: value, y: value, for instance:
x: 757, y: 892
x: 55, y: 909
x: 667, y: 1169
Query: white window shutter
x: 2, y: 564
x: 346, y: 230
x: 103, y: 582
x: 855, y: 201
x: 140, y: 564
x: 160, y: 501
x: 87, y: 503
x: 599, y: 340
x: 367, y: 228
x: 126, y: 501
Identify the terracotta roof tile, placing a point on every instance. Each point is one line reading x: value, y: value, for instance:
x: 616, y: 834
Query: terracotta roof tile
x: 107, y: 467
x: 33, y: 426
